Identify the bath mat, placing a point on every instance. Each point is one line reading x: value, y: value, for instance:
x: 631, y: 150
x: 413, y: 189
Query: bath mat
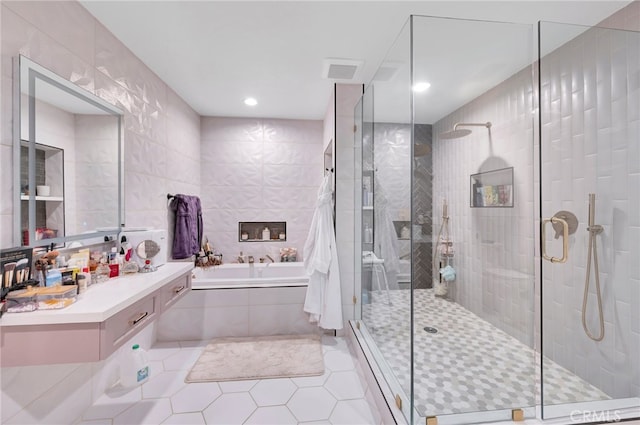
x: 279, y: 356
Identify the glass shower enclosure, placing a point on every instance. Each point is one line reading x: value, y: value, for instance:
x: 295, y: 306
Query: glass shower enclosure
x: 478, y: 145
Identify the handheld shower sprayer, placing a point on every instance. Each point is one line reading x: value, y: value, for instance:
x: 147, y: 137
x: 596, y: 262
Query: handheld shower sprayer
x: 594, y: 230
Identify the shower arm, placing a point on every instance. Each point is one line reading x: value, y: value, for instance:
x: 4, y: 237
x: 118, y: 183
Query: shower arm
x: 472, y: 124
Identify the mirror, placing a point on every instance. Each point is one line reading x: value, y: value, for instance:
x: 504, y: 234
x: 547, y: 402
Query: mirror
x: 147, y: 249
x: 69, y: 182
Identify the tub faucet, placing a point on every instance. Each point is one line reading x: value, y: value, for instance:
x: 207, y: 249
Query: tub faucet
x: 250, y: 259
x: 269, y: 257
x: 240, y: 258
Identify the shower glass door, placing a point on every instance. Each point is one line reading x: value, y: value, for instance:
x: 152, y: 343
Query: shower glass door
x: 589, y: 101
x: 472, y: 223
x: 384, y: 198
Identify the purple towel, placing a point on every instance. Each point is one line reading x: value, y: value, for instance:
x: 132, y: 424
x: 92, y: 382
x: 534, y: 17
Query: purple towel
x: 187, y: 237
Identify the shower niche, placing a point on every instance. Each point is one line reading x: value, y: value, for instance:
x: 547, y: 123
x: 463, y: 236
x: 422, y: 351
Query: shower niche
x: 492, y: 189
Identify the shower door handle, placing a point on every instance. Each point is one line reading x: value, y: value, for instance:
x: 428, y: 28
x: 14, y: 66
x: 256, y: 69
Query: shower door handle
x: 565, y: 240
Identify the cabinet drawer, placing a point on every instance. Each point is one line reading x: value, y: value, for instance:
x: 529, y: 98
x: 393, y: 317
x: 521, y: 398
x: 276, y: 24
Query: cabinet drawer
x: 175, y: 290
x: 120, y: 327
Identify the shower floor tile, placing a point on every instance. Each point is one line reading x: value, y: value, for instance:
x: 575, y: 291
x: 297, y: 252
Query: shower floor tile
x: 468, y: 364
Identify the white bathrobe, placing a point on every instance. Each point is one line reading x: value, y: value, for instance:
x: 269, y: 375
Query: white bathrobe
x: 323, y: 301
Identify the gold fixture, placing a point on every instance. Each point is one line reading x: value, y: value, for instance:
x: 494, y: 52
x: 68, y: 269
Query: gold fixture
x: 517, y: 415
x: 355, y: 299
x: 432, y: 420
x: 358, y: 325
x: 565, y: 240
x: 398, y: 401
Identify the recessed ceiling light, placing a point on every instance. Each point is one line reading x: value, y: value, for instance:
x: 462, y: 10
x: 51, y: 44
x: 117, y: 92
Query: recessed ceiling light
x: 250, y: 101
x: 421, y: 86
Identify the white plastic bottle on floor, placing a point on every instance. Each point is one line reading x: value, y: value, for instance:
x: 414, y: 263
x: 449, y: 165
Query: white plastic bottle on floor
x: 134, y: 367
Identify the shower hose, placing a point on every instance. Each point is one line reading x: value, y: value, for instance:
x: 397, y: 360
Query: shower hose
x: 593, y: 231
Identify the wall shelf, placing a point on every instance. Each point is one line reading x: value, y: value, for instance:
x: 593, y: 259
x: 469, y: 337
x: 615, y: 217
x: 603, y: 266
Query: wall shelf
x: 492, y: 189
x: 43, y: 198
x: 252, y: 231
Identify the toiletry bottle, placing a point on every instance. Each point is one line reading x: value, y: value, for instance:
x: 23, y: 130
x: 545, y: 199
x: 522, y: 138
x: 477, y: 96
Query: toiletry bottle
x: 103, y: 271
x: 114, y: 266
x: 266, y: 234
x: 368, y: 234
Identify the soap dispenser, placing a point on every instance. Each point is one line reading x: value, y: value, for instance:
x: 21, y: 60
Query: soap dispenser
x: 266, y: 234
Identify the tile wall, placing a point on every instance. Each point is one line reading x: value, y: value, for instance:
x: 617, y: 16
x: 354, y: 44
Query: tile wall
x: 590, y: 113
x: 590, y: 132
x: 162, y: 155
x: 259, y: 170
x: 205, y: 314
x: 162, y: 133
x: 347, y: 96
x: 493, y: 247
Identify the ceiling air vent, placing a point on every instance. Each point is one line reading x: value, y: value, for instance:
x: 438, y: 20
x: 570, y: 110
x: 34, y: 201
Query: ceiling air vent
x: 341, y: 69
x: 387, y: 71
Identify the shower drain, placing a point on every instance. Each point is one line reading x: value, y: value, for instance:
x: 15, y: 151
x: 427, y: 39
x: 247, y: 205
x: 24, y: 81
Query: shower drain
x: 430, y: 330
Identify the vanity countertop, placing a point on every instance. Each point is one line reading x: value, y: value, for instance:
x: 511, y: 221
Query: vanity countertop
x: 102, y: 300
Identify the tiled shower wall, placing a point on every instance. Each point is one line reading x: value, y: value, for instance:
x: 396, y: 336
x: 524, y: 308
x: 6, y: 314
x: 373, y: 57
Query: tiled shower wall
x: 493, y: 247
x: 590, y: 112
x: 394, y: 183
x: 591, y: 133
x: 162, y: 133
x: 259, y: 170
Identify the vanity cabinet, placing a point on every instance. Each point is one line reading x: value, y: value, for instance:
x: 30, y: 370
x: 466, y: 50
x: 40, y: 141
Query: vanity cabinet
x: 116, y: 330
x: 175, y: 290
x: 103, y: 319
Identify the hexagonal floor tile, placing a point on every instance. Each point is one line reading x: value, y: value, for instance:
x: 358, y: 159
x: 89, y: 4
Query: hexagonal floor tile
x: 162, y: 350
x: 351, y: 412
x: 237, y: 386
x: 338, y: 361
x: 272, y: 415
x: 194, y: 397
x: 164, y: 384
x: 311, y: 404
x: 184, y: 419
x: 272, y: 392
x: 312, y: 381
x: 229, y: 409
x: 145, y: 412
x: 182, y: 360
x: 345, y: 385
x: 112, y: 404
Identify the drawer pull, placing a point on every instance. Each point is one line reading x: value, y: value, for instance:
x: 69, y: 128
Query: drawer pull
x: 178, y: 289
x: 135, y: 321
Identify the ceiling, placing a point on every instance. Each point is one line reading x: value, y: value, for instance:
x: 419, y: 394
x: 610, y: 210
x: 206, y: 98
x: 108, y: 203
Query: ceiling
x: 214, y: 54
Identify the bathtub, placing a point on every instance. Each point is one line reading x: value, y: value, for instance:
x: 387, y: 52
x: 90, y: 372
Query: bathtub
x: 256, y: 275
x: 238, y: 300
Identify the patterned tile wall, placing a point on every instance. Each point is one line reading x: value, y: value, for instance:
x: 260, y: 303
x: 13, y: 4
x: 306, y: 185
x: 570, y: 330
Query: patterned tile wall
x: 161, y: 132
x: 395, y: 187
x: 591, y: 129
x: 590, y: 112
x: 493, y: 247
x: 259, y: 170
x: 162, y: 154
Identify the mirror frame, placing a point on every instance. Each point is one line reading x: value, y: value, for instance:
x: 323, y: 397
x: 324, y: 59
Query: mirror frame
x: 26, y: 72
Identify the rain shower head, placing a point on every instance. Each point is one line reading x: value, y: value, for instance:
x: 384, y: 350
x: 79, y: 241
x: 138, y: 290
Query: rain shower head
x: 457, y: 133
